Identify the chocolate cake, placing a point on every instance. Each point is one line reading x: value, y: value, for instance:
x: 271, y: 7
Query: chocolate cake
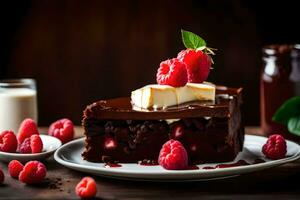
x: 211, y: 131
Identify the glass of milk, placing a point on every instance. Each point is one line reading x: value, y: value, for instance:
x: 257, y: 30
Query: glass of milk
x: 18, y: 100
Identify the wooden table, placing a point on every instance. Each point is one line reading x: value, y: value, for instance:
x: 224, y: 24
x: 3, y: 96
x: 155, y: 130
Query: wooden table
x: 281, y: 182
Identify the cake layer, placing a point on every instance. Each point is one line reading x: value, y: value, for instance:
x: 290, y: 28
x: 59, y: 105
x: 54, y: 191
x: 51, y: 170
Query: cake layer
x: 130, y: 141
x: 121, y: 108
x: 161, y: 96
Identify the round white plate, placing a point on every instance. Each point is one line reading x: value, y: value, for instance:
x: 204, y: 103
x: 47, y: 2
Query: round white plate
x: 50, y: 144
x: 69, y: 155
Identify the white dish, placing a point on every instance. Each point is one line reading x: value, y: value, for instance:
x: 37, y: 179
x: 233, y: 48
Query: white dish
x: 50, y: 144
x: 69, y: 155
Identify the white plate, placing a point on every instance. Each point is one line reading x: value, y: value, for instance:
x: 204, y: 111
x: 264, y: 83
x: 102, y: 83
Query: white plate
x: 50, y: 144
x: 69, y: 155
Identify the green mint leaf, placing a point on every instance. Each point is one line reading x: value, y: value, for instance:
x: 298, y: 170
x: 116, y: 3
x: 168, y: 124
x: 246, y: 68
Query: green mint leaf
x: 294, y: 125
x: 191, y: 40
x: 287, y: 110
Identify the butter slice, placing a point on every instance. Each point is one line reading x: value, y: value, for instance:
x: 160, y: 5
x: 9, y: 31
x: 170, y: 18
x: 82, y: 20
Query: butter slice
x: 161, y: 96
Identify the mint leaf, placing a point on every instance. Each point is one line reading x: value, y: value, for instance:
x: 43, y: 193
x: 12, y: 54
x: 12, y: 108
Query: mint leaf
x: 287, y: 110
x: 191, y: 40
x: 294, y: 125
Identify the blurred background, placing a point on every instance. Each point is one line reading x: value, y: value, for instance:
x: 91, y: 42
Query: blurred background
x: 82, y: 51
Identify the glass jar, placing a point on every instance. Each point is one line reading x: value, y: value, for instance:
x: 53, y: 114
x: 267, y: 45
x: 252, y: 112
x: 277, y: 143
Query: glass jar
x: 279, y: 81
x: 18, y: 100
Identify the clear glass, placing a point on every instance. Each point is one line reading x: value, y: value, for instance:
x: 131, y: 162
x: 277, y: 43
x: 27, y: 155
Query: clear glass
x: 279, y: 81
x: 18, y: 101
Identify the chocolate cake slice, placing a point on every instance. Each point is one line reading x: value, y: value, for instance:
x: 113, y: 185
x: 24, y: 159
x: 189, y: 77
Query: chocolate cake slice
x: 211, y: 131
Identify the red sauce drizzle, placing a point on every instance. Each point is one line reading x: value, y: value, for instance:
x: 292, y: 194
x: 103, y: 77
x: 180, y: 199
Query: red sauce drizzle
x: 208, y: 167
x: 110, y: 165
x: 236, y: 164
x: 192, y: 167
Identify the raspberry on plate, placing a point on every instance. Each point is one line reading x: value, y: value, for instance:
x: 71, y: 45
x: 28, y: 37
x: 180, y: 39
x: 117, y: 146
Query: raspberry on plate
x: 27, y: 128
x: 86, y: 188
x: 173, y: 156
x: 1, y: 176
x: 198, y: 64
x: 33, y: 172
x: 8, y: 142
x: 172, y: 72
x: 275, y: 147
x: 14, y: 168
x: 62, y: 129
x: 33, y: 144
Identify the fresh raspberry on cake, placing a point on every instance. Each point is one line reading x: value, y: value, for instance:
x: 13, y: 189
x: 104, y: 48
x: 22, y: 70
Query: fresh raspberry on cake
x: 8, y: 141
x: 33, y: 172
x: 275, y: 147
x: 198, y: 64
x: 62, y: 129
x: 172, y: 72
x: 33, y: 144
x: 173, y: 156
x: 86, y: 188
x: 27, y: 128
x: 14, y: 168
x: 1, y: 176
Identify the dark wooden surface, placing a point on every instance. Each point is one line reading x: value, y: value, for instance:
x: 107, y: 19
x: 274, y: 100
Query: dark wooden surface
x: 277, y: 183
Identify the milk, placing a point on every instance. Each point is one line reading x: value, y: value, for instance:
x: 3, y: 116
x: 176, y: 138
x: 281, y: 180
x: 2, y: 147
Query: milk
x: 16, y: 104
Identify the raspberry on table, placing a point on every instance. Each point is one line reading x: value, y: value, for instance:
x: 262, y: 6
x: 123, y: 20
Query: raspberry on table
x: 198, y: 64
x: 62, y: 129
x: 33, y: 172
x: 275, y: 147
x: 8, y: 142
x: 86, y: 188
x: 33, y: 144
x: 14, y: 168
x: 173, y: 156
x: 2, y: 177
x: 172, y: 72
x: 27, y: 128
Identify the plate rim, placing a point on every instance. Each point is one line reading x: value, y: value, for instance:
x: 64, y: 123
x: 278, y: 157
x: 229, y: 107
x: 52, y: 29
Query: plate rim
x: 166, y: 173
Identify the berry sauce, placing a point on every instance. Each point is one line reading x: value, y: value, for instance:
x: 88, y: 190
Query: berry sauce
x: 236, y: 164
x: 192, y: 167
x: 111, y: 165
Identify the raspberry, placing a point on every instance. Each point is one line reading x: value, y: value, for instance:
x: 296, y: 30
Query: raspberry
x: 27, y: 128
x: 1, y: 176
x: 177, y: 132
x: 25, y: 146
x: 14, y: 168
x: 197, y: 64
x: 33, y: 172
x: 172, y: 72
x: 62, y: 129
x: 275, y: 147
x: 173, y: 156
x: 8, y: 142
x: 110, y: 143
x: 33, y: 144
x: 86, y: 188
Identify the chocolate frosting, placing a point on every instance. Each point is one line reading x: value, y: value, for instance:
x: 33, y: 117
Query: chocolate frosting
x: 121, y: 108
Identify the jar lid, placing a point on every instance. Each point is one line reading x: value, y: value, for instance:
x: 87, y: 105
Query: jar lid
x: 277, y: 49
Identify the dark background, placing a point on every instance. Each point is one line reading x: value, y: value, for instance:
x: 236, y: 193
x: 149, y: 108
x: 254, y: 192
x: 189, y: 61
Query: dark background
x: 82, y: 51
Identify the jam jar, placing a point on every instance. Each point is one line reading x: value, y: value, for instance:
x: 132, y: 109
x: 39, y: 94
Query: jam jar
x: 279, y: 81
